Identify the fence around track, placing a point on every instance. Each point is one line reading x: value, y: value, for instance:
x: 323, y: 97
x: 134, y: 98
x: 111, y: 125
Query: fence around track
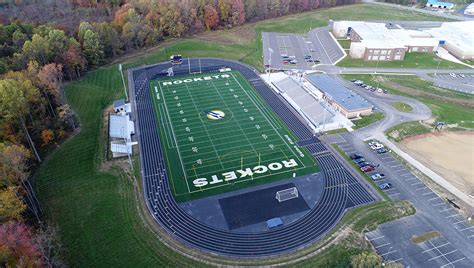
x: 341, y: 191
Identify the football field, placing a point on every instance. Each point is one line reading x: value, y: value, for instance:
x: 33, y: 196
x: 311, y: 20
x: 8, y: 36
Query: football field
x: 218, y: 135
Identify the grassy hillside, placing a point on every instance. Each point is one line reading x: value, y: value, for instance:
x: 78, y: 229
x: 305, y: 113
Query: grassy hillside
x: 96, y: 211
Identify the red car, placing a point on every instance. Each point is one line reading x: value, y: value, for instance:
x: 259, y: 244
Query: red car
x: 285, y: 62
x: 367, y: 169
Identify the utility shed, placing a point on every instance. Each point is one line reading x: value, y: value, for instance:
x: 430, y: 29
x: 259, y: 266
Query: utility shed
x: 347, y: 102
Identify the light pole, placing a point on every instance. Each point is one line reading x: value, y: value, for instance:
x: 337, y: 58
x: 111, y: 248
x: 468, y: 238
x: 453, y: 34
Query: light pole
x: 270, y: 50
x: 123, y: 81
x: 437, y: 67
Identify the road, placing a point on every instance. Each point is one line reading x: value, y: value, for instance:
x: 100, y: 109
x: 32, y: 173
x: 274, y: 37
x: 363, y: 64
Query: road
x: 442, y: 15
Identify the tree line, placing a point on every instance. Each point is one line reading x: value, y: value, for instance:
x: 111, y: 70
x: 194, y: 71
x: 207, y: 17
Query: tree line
x: 37, y: 57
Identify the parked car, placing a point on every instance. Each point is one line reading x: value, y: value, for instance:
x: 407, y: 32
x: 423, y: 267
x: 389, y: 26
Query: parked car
x: 285, y: 61
x: 284, y: 56
x: 355, y: 156
x: 453, y: 75
x: 307, y: 57
x: 368, y: 87
x: 462, y: 75
x: 385, y: 186
x: 385, y: 91
x: 364, y: 164
x: 292, y: 57
x: 293, y: 61
x: 377, y: 176
x: 382, y: 150
x: 379, y: 90
x: 359, y: 160
x: 367, y: 168
x: 376, y: 146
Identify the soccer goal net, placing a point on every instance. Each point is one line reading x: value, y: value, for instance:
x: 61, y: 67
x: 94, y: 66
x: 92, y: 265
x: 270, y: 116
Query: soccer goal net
x: 287, y: 194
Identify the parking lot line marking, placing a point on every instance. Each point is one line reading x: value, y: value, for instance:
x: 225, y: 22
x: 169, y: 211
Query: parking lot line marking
x: 376, y: 238
x: 451, y: 262
x: 406, y: 174
x: 431, y: 199
x: 396, y: 166
x: 399, y: 259
x: 388, y: 252
x: 391, y: 161
x: 386, y: 244
x: 446, y: 209
x: 443, y: 255
x: 410, y: 179
x: 421, y: 188
x: 467, y: 228
x: 460, y: 221
x: 440, y: 246
x: 439, y: 204
x: 430, y: 192
x: 389, y: 189
x: 393, y: 194
x: 454, y: 215
x: 384, y: 158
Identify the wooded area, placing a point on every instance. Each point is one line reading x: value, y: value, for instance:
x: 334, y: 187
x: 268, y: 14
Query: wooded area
x: 43, y: 43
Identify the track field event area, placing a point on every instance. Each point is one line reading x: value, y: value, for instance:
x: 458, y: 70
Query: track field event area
x: 218, y: 135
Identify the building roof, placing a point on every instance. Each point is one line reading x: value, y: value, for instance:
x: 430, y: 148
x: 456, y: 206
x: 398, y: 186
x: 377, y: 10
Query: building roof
x: 121, y: 127
x: 458, y: 33
x: 340, y: 94
x: 119, y: 103
x: 439, y: 3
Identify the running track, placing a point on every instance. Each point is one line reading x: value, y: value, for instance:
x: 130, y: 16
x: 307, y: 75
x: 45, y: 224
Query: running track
x: 342, y: 190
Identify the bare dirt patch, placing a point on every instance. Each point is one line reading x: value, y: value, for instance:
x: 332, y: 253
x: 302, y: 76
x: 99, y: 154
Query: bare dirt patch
x: 237, y: 35
x: 450, y: 154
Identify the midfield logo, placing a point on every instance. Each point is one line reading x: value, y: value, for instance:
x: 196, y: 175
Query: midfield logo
x: 195, y: 79
x: 243, y: 173
x: 215, y: 114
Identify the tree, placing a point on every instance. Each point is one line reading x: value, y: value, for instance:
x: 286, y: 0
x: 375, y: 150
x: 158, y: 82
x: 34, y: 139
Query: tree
x: 73, y: 62
x: 18, y: 246
x: 13, y: 164
x: 211, y: 18
x: 11, y: 207
x: 67, y: 117
x: 14, y: 98
x: 237, y: 12
x: 365, y: 260
x: 47, y: 136
x: 50, y: 76
x: 92, y: 47
x: 37, y: 49
x: 223, y: 10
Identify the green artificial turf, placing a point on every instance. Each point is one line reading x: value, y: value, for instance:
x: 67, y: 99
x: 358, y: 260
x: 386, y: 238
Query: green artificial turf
x: 220, y: 136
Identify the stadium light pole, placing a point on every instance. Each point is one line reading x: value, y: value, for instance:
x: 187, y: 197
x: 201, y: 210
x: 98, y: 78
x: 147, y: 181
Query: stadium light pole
x: 123, y: 82
x: 270, y: 50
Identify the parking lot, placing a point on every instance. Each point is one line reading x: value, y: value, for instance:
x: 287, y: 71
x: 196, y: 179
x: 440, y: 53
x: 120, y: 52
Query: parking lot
x: 318, y: 44
x: 458, y: 82
x: 393, y: 242
x: 433, y: 213
x: 295, y: 46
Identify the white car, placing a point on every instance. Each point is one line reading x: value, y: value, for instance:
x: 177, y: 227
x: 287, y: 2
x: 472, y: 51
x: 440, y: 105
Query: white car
x: 453, y: 75
x: 376, y: 146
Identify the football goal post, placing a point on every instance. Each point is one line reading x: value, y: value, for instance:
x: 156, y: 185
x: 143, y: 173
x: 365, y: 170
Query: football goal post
x: 287, y: 194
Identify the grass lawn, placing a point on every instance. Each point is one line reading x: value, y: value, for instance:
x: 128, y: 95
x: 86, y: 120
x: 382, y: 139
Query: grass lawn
x: 401, y: 106
x: 367, y: 120
x: 345, y: 43
x: 412, y: 60
x: 96, y: 211
x: 407, y: 129
x: 454, y: 108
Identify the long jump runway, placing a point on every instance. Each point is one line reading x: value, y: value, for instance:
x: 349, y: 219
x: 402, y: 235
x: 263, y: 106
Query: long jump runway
x: 342, y: 190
